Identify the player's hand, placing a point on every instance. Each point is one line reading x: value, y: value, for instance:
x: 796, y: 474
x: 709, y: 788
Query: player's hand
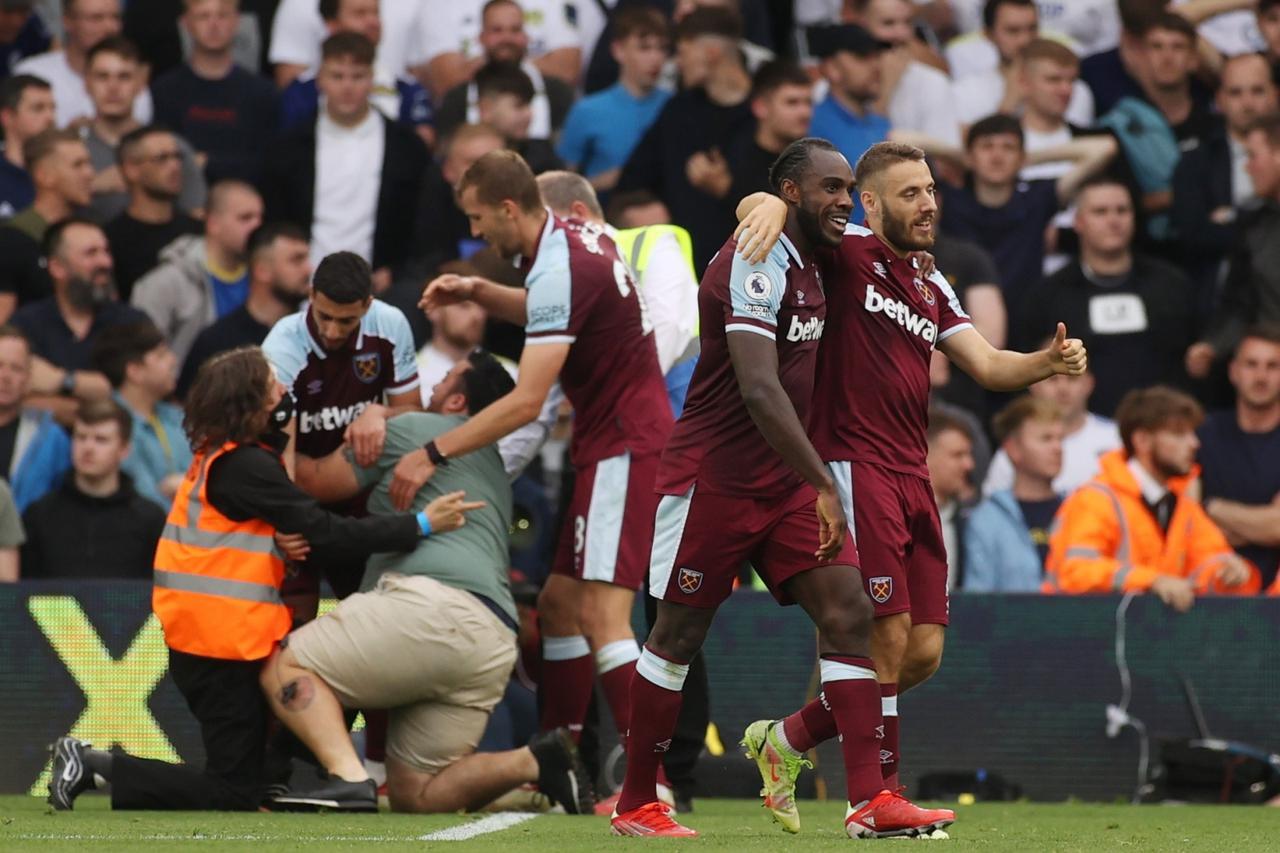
x: 759, y: 230
x: 1067, y: 355
x: 367, y: 434
x: 411, y: 473
x: 926, y: 263
x: 1233, y: 571
x: 447, y: 289
x: 449, y: 512
x: 832, y: 526
x: 1200, y: 358
x: 293, y: 545
x: 1175, y: 592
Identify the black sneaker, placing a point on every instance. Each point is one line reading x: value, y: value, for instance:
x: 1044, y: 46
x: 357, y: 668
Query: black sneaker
x: 338, y: 795
x: 561, y: 773
x: 70, y: 776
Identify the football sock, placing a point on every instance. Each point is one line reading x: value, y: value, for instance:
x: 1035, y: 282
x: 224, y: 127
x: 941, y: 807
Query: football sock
x: 811, y: 725
x: 849, y: 683
x: 656, y: 689
x: 889, y: 746
x: 616, y: 664
x: 568, y: 676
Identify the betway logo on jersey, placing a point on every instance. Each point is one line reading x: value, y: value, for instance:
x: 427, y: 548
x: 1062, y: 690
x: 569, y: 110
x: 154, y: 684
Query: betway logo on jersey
x: 809, y: 330
x: 878, y: 303
x: 329, y: 418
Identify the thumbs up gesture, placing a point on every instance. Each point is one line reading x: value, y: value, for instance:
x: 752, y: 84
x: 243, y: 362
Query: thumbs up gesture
x: 1067, y: 355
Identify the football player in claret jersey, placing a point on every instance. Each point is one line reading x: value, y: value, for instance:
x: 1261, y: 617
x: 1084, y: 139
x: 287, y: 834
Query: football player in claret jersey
x: 585, y: 324
x: 871, y: 415
x: 741, y: 482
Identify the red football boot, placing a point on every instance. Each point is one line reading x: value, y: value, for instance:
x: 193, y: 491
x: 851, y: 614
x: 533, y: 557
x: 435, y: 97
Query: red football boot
x: 889, y: 814
x: 652, y: 820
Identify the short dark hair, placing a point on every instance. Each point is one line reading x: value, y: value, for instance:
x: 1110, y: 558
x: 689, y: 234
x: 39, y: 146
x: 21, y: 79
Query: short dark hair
x: 117, y: 347
x: 992, y: 9
x: 120, y: 46
x: 1103, y: 180
x: 43, y: 145
x: 1269, y: 125
x: 227, y: 399
x: 1135, y: 14
x: 501, y: 175
x: 13, y: 88
x: 504, y: 78
x: 486, y: 381
x: 636, y: 20
x: 1166, y: 20
x: 329, y: 9
x: 1267, y: 5
x: 347, y: 45
x: 55, y: 235
x: 620, y: 203
x: 796, y: 159
x: 131, y: 141
x: 264, y: 236
x: 1155, y: 408
x: 716, y: 21
x: 998, y: 124
x: 775, y: 74
x: 94, y: 412
x: 344, y: 277
x: 940, y: 421
x: 1269, y: 332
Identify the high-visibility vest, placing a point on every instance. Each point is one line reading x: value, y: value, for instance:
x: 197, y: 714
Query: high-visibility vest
x: 217, y: 581
x: 636, y: 245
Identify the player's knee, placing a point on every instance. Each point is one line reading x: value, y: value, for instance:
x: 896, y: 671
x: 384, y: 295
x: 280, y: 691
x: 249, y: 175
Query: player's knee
x: 845, y: 622
x: 678, y: 639
x: 557, y: 615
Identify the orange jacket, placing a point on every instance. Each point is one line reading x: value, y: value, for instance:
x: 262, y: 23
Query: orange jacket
x: 1105, y: 539
x: 217, y: 581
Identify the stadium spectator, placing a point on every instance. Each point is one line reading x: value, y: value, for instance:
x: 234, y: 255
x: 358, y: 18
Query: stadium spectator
x: 439, y: 708
x: 851, y: 65
x: 504, y: 101
x: 456, y: 331
x: 603, y: 128
x: 711, y: 108
x: 114, y: 76
x: 1268, y: 12
x: 141, y: 368
x: 1240, y: 454
x: 149, y: 161
x: 299, y: 28
x: 1006, y: 538
x: 219, y: 634
x: 782, y: 104
x: 1011, y: 26
x: 1006, y: 215
x: 34, y: 451
x: 200, y: 279
x: 1211, y: 183
x: 1135, y: 312
x: 85, y: 23
x: 1168, y: 59
x: 913, y: 95
x: 453, y: 49
x: 1135, y: 527
x: 12, y: 535
x: 63, y: 177
x: 637, y: 209
x: 226, y: 112
x: 950, y: 463
x: 96, y: 525
x: 1086, y: 436
x: 279, y: 278
x: 22, y: 33
x: 1251, y: 292
x: 26, y: 110
x: 350, y: 177
x: 395, y: 94
x: 503, y: 40
x: 1114, y: 73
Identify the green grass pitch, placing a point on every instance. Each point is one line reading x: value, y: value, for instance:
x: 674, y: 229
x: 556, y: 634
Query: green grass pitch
x: 27, y: 824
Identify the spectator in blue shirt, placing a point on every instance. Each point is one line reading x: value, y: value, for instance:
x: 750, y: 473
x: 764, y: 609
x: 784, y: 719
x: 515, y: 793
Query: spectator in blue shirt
x: 851, y: 66
x: 144, y: 372
x: 26, y: 110
x: 602, y: 129
x: 35, y: 452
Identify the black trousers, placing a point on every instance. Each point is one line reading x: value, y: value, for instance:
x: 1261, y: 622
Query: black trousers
x: 226, y: 700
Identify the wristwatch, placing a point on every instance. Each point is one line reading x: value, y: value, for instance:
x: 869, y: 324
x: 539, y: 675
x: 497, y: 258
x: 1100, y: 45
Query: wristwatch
x: 437, y: 458
x: 68, y: 386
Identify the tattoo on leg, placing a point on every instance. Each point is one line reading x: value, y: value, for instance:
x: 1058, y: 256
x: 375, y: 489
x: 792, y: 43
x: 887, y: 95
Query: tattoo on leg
x: 297, y: 694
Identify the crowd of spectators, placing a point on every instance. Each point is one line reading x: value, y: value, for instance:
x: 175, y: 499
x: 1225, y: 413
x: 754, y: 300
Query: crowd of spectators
x: 172, y: 172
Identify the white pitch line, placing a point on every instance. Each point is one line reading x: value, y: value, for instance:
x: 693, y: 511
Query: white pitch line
x: 492, y: 823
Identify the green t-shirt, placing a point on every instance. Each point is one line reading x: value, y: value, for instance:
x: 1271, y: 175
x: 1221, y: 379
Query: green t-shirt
x: 475, y: 557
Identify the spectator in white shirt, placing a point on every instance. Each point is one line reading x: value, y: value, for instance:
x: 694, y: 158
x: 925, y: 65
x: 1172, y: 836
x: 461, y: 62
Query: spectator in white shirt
x: 456, y: 331
x: 299, y: 29
x: 1092, y: 26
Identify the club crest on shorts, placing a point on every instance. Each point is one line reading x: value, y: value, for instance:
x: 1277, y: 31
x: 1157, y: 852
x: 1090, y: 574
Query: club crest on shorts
x: 367, y: 366
x: 881, y: 588
x: 690, y: 581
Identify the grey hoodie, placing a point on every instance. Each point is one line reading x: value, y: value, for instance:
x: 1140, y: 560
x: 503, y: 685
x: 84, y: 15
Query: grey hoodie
x: 178, y: 295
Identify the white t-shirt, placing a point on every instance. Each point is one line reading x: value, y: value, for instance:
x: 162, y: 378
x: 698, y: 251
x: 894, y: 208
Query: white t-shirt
x: 1080, y: 452
x: 1232, y: 33
x: 455, y: 28
x: 922, y: 102
x: 1094, y: 25
x: 298, y: 32
x: 348, y: 180
x: 70, y: 98
x: 979, y: 95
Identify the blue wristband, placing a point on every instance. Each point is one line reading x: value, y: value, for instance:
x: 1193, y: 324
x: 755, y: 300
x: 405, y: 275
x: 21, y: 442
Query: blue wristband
x: 424, y: 523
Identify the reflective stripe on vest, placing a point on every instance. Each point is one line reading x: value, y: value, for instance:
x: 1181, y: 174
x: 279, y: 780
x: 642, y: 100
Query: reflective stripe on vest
x: 636, y: 245
x: 217, y: 581
x: 1123, y: 552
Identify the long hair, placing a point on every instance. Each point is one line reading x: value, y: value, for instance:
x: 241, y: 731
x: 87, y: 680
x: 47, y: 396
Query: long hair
x: 227, y: 400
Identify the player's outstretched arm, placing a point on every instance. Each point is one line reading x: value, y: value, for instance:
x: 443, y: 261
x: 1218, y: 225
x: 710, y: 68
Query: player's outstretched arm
x: 505, y: 303
x: 539, y: 367
x: 1005, y: 370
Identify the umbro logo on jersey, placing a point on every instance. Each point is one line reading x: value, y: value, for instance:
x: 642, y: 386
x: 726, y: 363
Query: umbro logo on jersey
x: 809, y: 330
x: 878, y: 303
x: 880, y: 270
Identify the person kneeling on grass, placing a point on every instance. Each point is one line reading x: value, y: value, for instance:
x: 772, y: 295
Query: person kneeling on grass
x: 432, y: 635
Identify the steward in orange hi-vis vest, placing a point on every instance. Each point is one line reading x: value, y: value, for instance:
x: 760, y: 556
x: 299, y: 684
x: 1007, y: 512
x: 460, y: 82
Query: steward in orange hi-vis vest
x: 217, y: 581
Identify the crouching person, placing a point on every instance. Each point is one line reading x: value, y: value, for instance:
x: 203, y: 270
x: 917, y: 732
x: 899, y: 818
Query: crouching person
x: 431, y: 636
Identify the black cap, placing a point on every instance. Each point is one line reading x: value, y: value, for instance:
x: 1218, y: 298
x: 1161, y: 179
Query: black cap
x: 829, y: 40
